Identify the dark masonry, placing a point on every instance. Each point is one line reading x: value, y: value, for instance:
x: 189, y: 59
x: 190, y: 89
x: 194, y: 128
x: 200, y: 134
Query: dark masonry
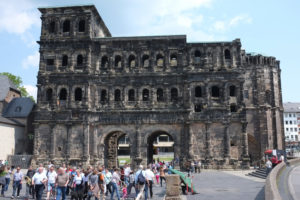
x: 218, y: 103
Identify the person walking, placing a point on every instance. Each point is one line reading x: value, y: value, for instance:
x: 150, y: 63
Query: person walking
x: 107, y: 180
x: 51, y: 176
x: 127, y: 171
x: 61, y: 183
x: 39, y: 180
x: 93, y: 185
x: 199, y: 165
x: 17, y: 183
x: 115, y: 180
x: 149, y: 175
x: 161, y: 175
x: 29, y: 187
x: 141, y: 183
x: 2, y: 179
x: 78, y: 184
x: 269, y: 166
x: 131, y: 182
x: 7, y: 177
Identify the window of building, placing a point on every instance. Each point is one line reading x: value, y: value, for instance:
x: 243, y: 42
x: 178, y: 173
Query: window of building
x: 232, y: 91
x: 131, y: 95
x: 198, y: 108
x: 145, y: 95
x: 79, y: 60
x: 81, y: 26
x: 104, y: 62
x: 50, y: 62
x: 159, y: 60
x: 227, y: 54
x: 233, y: 108
x: 296, y: 137
x: 290, y: 115
x: 292, y: 136
x: 295, y: 129
x: 285, y: 115
x: 78, y: 94
x: 198, y: 91
x: 286, y: 122
x: 174, y: 94
x: 215, y: 91
x: 52, y: 27
x: 118, y: 61
x: 66, y: 26
x: 294, y: 115
x: 145, y: 60
x: 291, y: 122
x: 131, y: 61
x: 63, y: 94
x: 287, y: 129
x: 287, y: 137
x: 117, y: 95
x: 173, y: 59
x: 49, y: 93
x: 291, y: 129
x: 64, y: 60
x: 103, y: 95
x: 197, y: 56
x: 160, y: 94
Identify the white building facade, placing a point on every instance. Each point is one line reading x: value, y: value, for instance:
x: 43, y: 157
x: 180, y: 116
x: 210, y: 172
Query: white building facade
x: 291, y: 121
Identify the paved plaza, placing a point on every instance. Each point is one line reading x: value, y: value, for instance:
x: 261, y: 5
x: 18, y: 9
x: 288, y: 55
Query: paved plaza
x: 211, y: 185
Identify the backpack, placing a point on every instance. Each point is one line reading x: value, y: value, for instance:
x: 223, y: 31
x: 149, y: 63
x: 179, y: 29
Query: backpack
x: 141, y: 179
x: 101, y: 177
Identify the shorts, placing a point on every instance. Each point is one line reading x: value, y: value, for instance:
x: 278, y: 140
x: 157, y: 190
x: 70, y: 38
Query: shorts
x: 51, y: 185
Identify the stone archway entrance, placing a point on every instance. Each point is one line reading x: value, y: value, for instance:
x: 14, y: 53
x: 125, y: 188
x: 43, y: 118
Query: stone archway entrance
x: 160, y: 145
x: 116, y: 144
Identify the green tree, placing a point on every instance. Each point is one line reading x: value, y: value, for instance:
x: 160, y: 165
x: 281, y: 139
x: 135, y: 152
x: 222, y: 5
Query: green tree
x: 17, y: 81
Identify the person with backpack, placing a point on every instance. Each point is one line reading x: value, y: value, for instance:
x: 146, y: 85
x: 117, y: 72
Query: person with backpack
x: 101, y: 182
x: 115, y: 180
x: 141, y: 182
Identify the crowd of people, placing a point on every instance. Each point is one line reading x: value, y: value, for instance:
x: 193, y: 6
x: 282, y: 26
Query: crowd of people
x: 93, y: 182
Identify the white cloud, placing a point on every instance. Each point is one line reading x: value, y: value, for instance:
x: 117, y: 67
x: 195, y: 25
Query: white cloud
x: 18, y: 16
x: 240, y: 19
x: 32, y: 90
x: 31, y: 60
x: 221, y: 26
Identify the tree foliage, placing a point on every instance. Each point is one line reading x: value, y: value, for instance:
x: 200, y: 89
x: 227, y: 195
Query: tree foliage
x: 17, y: 81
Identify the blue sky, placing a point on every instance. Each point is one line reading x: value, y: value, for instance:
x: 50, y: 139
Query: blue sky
x: 270, y: 27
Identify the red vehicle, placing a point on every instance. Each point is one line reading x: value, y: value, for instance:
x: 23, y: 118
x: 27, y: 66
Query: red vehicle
x: 274, y: 156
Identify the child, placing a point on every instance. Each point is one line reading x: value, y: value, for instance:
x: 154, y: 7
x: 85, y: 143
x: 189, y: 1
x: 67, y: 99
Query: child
x: 124, y: 190
x: 157, y: 176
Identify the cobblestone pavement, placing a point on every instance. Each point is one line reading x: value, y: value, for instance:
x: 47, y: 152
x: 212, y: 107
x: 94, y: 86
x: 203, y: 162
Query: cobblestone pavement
x: 223, y: 185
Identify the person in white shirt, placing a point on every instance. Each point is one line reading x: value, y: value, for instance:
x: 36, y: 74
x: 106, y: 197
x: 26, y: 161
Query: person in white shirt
x: 140, y: 187
x: 107, y: 180
x: 149, y: 175
x: 17, y: 182
x: 126, y: 174
x: 51, y: 176
x: 38, y: 180
x: 269, y: 166
x: 281, y: 158
x: 115, y: 180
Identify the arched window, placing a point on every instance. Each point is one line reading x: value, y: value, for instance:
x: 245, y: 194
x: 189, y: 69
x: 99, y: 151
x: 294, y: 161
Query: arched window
x: 79, y: 60
x: 233, y: 108
x: 81, y: 26
x: 198, y: 91
x: 146, y: 62
x: 103, y: 95
x: 78, y: 94
x: 160, y: 94
x: 174, y: 94
x: 198, y: 108
x: 131, y: 95
x: 197, y: 56
x: 64, y: 60
x: 131, y: 61
x: 49, y: 93
x: 117, y: 95
x: 104, y: 62
x: 227, y: 54
x: 173, y: 59
x: 52, y: 27
x: 159, y: 60
x: 232, y: 91
x: 215, y: 91
x: 145, y: 95
x: 63, y: 94
x: 66, y: 26
x: 118, y: 61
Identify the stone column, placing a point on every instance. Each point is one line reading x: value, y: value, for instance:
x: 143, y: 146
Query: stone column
x: 208, y: 142
x: 86, y: 139
x: 95, y: 138
x: 69, y: 132
x: 226, y: 142
x: 245, y: 156
x: 52, y: 141
x: 36, y: 139
x: 138, y: 159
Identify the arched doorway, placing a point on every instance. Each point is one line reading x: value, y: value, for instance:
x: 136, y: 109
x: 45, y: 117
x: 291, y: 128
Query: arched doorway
x: 160, y: 146
x: 117, y: 149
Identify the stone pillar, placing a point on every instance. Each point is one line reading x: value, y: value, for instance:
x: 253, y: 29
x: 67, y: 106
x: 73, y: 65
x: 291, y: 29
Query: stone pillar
x: 245, y: 156
x: 95, y: 138
x: 226, y: 142
x: 36, y: 139
x: 52, y: 141
x: 173, y: 187
x: 138, y: 159
x: 208, y: 142
x: 69, y: 132
x: 86, y: 143
x: 189, y: 141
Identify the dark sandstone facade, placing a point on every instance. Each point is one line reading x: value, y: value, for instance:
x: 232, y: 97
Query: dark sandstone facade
x: 218, y: 103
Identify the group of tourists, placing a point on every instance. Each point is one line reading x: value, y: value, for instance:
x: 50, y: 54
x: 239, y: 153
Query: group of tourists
x: 79, y: 183
x: 271, y: 163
